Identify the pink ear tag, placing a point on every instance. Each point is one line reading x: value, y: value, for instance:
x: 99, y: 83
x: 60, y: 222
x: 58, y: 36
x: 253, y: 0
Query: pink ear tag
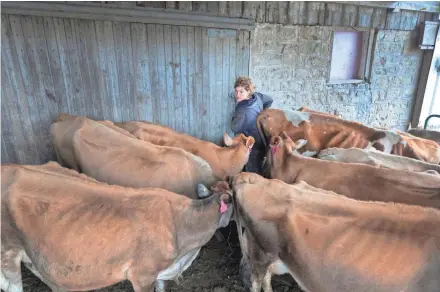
x: 274, y: 149
x: 223, y: 207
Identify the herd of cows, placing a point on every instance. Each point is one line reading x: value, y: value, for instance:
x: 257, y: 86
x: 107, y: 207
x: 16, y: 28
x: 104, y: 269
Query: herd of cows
x: 341, y: 206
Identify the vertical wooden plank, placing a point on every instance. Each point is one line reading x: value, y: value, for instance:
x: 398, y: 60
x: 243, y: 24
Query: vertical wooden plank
x: 282, y: 10
x: 272, y: 15
x: 92, y: 58
x: 163, y: 55
x: 157, y: 92
x: 88, y: 96
x: 248, y: 9
x: 206, y: 85
x: 4, y: 154
x: 334, y: 14
x: 60, y: 91
x: 365, y: 17
x: 122, y: 37
x: 19, y: 75
x: 184, y: 76
x: 144, y: 109
x: 246, y: 52
x: 225, y: 88
x: 200, y: 6
x: 168, y: 104
x: 222, y: 9
x: 421, y: 17
x: 322, y: 12
x: 239, y: 55
x: 313, y: 9
x: 198, y: 82
x: 191, y: 77
x: 260, y: 11
x: 212, y: 89
x: 72, y: 51
x: 232, y: 78
x: 38, y: 84
x: 379, y: 18
x: 177, y: 102
x: 10, y: 135
x: 65, y: 103
x: 349, y: 17
x: 217, y: 96
x: 393, y: 20
x: 408, y: 20
x: 234, y: 8
x: 213, y: 7
x: 48, y: 95
x: 185, y: 5
x: 170, y: 4
x: 107, y: 103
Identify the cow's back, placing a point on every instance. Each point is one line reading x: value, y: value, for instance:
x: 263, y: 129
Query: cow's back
x: 93, y: 226
x: 376, y: 158
x: 114, y: 158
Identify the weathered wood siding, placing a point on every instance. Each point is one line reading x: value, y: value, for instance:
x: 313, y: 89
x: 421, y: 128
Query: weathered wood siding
x: 177, y: 76
x: 292, y: 12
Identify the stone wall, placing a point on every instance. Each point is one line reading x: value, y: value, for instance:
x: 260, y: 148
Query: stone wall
x: 292, y: 63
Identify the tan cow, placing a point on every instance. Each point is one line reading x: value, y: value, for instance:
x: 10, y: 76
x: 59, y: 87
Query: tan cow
x: 326, y: 131
x: 376, y: 158
x: 224, y: 161
x: 118, y: 158
x: 77, y: 234
x: 359, y: 181
x: 329, y: 242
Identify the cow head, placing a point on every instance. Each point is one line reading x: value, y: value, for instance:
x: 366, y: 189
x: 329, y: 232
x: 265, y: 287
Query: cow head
x: 245, y: 143
x: 279, y: 147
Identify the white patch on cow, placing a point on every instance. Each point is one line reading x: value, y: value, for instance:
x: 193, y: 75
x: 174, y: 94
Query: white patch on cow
x: 391, y: 138
x: 308, y: 153
x: 179, y: 266
x: 4, y: 282
x: 279, y: 268
x: 296, y: 117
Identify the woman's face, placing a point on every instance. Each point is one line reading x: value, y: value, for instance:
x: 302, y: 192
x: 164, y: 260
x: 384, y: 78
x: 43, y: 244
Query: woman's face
x: 241, y: 93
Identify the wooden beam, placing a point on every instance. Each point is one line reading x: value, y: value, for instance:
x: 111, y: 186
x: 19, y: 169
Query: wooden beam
x: 424, y: 6
x: 139, y: 14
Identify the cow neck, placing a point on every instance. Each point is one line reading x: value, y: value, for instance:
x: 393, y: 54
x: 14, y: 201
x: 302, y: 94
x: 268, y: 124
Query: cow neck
x: 232, y: 154
x: 197, y: 223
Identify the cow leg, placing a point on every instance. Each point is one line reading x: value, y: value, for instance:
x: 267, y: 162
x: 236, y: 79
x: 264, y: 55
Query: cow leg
x: 159, y: 286
x: 141, y: 280
x: 267, y: 282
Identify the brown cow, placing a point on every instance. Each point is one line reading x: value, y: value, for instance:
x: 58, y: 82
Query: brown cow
x: 116, y: 158
x: 329, y: 242
x: 224, y: 161
x: 75, y: 233
x: 358, y: 181
x: 326, y: 131
x: 376, y: 158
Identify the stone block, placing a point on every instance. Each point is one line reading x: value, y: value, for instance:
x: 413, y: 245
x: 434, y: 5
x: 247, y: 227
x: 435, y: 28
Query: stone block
x: 395, y: 48
x: 379, y: 95
x: 272, y: 48
x: 265, y: 33
x: 287, y: 34
x: 309, y: 32
x: 293, y: 48
x: 310, y: 48
x: 267, y: 60
x: 393, y: 93
x: 294, y: 85
x: 338, y: 96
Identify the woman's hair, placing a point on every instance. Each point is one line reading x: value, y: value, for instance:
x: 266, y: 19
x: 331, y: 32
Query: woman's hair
x: 245, y: 82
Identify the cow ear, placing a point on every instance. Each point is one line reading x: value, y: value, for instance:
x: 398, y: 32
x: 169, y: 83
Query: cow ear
x: 227, y: 140
x: 250, y: 141
x: 284, y: 135
x: 300, y: 143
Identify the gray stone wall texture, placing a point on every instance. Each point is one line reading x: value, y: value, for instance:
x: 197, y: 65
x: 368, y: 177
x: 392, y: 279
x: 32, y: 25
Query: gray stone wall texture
x: 292, y: 63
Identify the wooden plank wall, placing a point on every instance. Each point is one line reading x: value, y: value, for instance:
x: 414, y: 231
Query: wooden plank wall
x: 291, y: 12
x: 173, y: 75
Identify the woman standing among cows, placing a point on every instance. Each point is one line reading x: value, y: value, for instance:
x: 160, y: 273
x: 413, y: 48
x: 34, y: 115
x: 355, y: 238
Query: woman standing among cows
x: 249, y: 104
